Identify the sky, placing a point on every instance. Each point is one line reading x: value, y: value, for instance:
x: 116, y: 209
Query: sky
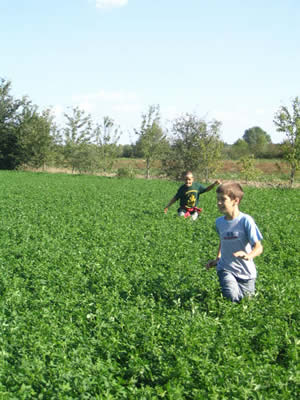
x: 235, y: 61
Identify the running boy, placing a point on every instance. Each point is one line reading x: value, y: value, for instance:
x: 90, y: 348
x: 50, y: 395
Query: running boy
x: 240, y: 242
x: 188, y: 194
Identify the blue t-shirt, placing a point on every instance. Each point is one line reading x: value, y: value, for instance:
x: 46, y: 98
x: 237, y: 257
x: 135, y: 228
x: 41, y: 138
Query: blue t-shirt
x: 238, y: 234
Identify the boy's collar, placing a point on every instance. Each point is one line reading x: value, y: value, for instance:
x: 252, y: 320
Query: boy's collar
x: 235, y: 214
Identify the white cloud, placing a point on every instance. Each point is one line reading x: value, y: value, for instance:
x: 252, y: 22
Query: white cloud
x: 110, y: 3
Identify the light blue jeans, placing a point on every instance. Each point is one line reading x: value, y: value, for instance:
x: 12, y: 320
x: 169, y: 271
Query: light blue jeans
x: 234, y: 288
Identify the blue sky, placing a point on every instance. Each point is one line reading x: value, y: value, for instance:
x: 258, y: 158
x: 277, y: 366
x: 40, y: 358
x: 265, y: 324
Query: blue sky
x: 236, y: 61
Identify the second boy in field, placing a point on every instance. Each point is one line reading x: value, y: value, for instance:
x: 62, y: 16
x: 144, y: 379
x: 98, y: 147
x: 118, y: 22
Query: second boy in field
x: 240, y: 242
x: 188, y: 194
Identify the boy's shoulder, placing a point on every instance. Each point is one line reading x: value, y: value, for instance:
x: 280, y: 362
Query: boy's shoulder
x: 242, y: 217
x: 181, y: 187
x: 246, y: 217
x: 199, y: 186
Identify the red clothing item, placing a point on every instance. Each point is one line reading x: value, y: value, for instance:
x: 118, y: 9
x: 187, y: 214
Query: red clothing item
x: 191, y: 210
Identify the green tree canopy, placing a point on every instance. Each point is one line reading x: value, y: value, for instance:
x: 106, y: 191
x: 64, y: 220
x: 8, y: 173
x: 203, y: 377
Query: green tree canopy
x: 10, y: 150
x: 35, y: 136
x: 152, y: 142
x: 107, y: 136
x: 25, y: 134
x: 77, y: 134
x: 256, y: 135
x: 239, y: 149
x: 195, y: 145
x: 257, y: 139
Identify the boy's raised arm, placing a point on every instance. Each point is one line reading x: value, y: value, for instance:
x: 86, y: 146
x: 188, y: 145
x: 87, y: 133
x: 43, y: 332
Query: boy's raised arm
x: 210, y: 187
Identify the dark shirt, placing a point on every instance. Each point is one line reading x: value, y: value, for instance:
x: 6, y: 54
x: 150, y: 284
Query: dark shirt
x: 189, y: 195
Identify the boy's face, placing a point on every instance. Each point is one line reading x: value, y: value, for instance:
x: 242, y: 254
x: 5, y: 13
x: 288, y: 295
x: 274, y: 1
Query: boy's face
x: 189, y: 179
x: 226, y: 205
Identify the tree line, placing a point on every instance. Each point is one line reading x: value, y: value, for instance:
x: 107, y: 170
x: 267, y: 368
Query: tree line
x: 29, y: 137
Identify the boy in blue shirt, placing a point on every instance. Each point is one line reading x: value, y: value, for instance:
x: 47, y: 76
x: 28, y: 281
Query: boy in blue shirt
x: 240, y: 242
x: 188, y: 196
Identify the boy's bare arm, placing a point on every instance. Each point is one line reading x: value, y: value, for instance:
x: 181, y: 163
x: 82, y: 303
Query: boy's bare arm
x: 172, y: 201
x: 256, y: 251
x: 213, y: 263
x: 210, y: 187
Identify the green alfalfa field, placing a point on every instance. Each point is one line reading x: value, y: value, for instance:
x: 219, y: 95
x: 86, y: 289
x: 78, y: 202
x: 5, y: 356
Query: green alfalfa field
x: 103, y: 296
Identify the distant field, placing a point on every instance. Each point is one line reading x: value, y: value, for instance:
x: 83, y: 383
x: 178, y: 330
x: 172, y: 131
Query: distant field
x: 103, y: 296
x: 276, y: 168
x: 272, y: 171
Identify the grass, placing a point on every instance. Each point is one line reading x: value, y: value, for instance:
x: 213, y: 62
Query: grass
x: 103, y: 296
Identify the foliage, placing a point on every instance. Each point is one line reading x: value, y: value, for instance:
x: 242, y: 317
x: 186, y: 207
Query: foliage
x: 26, y: 135
x: 35, y: 136
x: 195, y: 145
x: 257, y: 140
x: 248, y: 170
x: 289, y: 123
x: 151, y: 143
x: 256, y: 136
x: 77, y: 136
x: 125, y: 172
x: 239, y: 149
x: 105, y: 297
x: 11, y: 154
x: 272, y: 151
x: 107, y: 136
x: 127, y: 150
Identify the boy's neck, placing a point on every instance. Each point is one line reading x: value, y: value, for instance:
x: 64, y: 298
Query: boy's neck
x: 233, y: 214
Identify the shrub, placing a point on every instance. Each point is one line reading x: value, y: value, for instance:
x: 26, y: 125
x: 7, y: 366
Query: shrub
x: 125, y: 172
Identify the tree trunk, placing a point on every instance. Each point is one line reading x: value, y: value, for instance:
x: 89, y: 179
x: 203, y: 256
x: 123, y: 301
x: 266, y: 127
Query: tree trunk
x: 148, y: 168
x: 292, y: 176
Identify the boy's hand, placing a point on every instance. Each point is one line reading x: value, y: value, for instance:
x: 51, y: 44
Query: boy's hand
x: 166, y: 210
x: 217, y: 182
x: 211, y: 263
x: 242, y: 254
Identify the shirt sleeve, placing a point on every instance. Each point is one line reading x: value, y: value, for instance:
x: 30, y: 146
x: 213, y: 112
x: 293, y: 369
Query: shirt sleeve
x: 217, y: 225
x: 201, y: 189
x: 253, y: 233
x: 178, y: 194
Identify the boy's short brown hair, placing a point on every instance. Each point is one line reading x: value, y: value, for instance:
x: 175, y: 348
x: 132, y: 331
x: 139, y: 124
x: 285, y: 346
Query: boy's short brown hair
x: 231, y: 189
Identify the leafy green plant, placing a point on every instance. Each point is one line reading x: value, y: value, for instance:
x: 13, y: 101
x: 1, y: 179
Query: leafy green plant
x: 125, y: 172
x: 248, y: 170
x: 105, y: 296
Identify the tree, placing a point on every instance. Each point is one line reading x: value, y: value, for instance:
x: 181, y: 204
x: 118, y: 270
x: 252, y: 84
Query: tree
x: 107, y: 136
x: 195, y: 146
x: 152, y: 140
x: 248, y: 170
x: 257, y: 140
x: 10, y: 110
x: 25, y: 133
x: 35, y: 136
x: 127, y: 150
x: 78, y: 134
x: 239, y: 149
x: 289, y: 123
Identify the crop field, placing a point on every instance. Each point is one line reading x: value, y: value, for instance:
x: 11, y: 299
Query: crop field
x: 103, y: 296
